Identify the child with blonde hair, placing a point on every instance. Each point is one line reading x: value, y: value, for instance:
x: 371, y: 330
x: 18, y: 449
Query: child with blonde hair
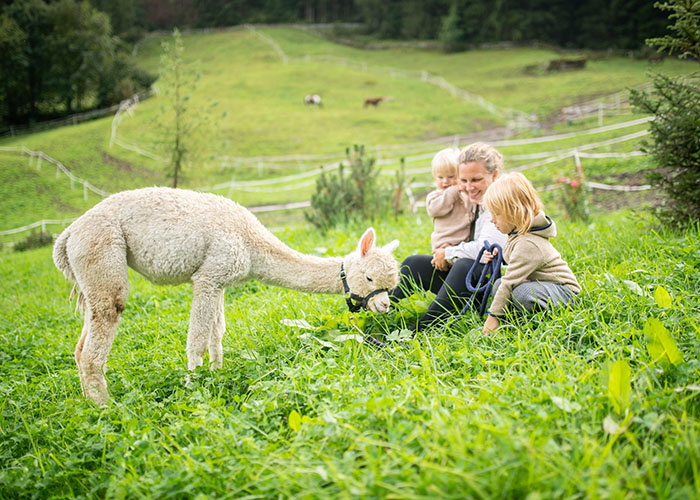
x: 447, y: 205
x: 536, y: 276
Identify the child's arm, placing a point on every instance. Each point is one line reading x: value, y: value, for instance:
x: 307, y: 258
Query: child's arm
x: 439, y: 203
x: 525, y: 259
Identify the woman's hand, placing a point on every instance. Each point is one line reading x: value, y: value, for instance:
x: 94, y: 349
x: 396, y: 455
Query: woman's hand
x: 491, y: 324
x: 439, y: 261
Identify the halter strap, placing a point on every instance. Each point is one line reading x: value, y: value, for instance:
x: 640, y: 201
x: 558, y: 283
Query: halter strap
x: 356, y: 302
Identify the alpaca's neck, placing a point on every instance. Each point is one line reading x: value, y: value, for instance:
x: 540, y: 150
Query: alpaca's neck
x: 282, y: 266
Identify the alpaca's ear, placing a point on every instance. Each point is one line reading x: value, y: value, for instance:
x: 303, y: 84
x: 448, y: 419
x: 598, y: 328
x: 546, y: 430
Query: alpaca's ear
x: 367, y: 242
x: 391, y: 246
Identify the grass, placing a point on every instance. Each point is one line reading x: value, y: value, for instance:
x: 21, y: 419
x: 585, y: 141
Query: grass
x: 253, y: 103
x: 451, y: 414
x: 538, y: 410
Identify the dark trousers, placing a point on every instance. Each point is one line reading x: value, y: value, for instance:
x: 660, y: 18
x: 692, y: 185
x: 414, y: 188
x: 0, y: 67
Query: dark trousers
x: 449, y: 287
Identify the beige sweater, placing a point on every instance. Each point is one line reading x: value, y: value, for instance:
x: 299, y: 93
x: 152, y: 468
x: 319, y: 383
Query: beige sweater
x: 531, y: 257
x: 452, y: 215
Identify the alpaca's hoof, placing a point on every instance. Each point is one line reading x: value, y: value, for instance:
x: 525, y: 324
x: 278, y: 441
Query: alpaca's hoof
x: 97, y: 396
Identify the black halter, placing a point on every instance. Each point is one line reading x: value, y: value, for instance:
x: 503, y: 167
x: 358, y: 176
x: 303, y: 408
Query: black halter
x: 354, y: 301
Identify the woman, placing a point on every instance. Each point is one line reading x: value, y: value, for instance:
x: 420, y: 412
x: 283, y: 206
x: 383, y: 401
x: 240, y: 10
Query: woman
x: 445, y: 271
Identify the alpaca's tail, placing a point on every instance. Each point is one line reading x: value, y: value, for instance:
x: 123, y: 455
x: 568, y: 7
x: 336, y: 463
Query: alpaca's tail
x: 60, y: 259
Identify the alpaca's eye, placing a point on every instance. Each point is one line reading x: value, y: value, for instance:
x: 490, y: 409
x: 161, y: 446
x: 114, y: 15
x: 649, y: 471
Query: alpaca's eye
x: 368, y: 278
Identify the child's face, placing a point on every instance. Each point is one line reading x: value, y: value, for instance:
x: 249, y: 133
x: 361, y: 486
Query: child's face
x: 444, y: 180
x: 501, y: 223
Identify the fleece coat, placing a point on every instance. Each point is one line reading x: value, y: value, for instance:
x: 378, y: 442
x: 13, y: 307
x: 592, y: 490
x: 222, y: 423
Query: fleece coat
x: 531, y: 257
x: 452, y: 214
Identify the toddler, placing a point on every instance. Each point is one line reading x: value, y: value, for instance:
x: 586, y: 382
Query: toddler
x: 536, y: 276
x: 447, y: 205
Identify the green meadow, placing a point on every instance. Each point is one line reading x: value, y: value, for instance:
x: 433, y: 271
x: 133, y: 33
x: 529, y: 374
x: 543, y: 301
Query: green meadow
x: 601, y: 400
x: 255, y: 125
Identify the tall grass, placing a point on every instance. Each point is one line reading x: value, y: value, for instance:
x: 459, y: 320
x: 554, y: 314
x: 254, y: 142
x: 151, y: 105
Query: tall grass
x: 450, y: 414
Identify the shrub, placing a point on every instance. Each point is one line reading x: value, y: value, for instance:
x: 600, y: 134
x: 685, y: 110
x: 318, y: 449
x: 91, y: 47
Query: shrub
x: 574, y: 195
x: 36, y: 239
x: 675, y: 130
x: 341, y: 198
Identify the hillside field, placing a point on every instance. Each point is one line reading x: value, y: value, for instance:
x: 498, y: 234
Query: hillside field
x: 255, y: 126
x: 600, y: 400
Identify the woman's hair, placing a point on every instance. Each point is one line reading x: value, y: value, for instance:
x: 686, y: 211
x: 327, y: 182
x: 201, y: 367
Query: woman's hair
x: 445, y: 162
x: 487, y: 155
x: 513, y: 197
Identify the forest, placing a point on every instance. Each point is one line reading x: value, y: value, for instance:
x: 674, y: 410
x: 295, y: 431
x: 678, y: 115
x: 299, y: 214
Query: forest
x: 65, y: 56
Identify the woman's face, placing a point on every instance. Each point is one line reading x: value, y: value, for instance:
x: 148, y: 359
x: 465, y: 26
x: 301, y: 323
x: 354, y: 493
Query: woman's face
x: 474, y: 179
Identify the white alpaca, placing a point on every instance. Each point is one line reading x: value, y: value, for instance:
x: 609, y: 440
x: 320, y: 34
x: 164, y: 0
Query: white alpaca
x: 172, y: 236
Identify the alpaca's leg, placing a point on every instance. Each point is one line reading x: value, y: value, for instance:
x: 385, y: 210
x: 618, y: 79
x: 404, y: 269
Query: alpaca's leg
x: 205, y: 301
x: 79, y: 350
x: 105, y: 303
x: 216, y: 351
x: 103, y: 277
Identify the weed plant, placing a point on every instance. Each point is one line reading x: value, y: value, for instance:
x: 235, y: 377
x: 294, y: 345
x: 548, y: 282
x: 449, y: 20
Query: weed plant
x: 578, y: 403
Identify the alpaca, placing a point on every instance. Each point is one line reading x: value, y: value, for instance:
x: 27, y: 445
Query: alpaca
x: 373, y: 101
x: 172, y: 236
x: 314, y: 99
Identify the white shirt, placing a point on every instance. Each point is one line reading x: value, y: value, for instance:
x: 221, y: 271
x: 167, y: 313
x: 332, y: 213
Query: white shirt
x: 485, y: 230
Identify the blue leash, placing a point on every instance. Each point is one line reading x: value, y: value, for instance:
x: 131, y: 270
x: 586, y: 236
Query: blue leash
x: 489, y: 274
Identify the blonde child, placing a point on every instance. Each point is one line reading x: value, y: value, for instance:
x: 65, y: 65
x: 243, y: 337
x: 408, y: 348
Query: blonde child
x: 536, y: 276
x: 447, y: 205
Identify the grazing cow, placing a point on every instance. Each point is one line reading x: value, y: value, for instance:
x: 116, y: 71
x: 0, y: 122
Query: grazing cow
x: 313, y: 100
x: 373, y: 101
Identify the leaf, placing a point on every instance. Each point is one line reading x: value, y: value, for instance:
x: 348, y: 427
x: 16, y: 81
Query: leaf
x: 660, y: 344
x: 330, y: 345
x: 294, y: 421
x: 610, y: 425
x: 345, y: 338
x: 249, y: 354
x: 619, y: 388
x: 565, y: 404
x: 662, y: 297
x: 298, y: 323
x: 633, y: 286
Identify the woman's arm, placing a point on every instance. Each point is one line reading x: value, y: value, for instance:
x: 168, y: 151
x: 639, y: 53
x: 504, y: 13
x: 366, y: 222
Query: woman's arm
x: 485, y: 231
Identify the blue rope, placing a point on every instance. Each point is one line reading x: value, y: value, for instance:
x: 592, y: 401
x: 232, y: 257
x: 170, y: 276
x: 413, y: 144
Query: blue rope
x: 489, y: 274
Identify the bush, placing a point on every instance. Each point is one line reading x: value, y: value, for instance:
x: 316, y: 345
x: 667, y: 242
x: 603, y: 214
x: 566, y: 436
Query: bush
x: 342, y: 198
x: 676, y: 128
x: 36, y: 239
x: 574, y: 195
x: 676, y: 143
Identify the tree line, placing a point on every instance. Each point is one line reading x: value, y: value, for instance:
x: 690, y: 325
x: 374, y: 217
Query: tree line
x: 593, y: 24
x: 63, y: 56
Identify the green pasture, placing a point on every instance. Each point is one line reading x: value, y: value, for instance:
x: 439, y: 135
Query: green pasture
x: 598, y: 401
x: 251, y: 102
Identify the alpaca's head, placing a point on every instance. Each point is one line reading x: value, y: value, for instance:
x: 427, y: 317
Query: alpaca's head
x: 371, y: 268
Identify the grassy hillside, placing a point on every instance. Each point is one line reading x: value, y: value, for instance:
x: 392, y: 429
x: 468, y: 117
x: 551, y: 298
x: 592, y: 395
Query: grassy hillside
x: 532, y: 411
x: 253, y: 101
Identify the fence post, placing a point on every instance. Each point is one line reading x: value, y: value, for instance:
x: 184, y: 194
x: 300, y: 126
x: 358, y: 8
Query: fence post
x: 230, y: 188
x: 577, y: 160
x: 43, y: 226
x: 85, y: 193
x: 38, y: 163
